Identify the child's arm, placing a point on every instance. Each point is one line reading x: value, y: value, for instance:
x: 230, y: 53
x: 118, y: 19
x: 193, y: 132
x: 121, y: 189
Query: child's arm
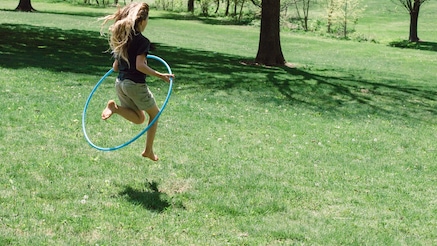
x: 141, y: 65
x: 115, y: 66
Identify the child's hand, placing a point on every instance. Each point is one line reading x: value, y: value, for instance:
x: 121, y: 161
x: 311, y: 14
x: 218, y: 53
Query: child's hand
x: 166, y: 77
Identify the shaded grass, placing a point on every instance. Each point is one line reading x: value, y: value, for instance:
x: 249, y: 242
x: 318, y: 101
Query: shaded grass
x: 431, y: 46
x: 52, y: 49
x: 325, y: 90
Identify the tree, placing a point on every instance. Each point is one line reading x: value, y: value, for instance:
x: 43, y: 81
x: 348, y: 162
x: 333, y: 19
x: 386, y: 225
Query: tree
x: 413, y: 8
x: 305, y: 10
x: 190, y: 5
x: 228, y: 4
x: 25, y: 6
x: 340, y: 14
x: 349, y: 12
x: 331, y: 9
x: 269, y: 48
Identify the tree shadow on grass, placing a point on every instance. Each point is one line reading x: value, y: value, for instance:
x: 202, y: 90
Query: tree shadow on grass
x: 332, y: 92
x: 421, y: 45
x: 149, y: 197
x: 53, y: 49
x: 329, y: 91
x: 82, y: 13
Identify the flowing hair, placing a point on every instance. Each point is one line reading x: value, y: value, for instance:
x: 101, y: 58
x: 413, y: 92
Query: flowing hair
x: 126, y: 23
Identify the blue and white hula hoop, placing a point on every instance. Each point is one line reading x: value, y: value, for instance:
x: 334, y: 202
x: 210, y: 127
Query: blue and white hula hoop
x: 145, y: 129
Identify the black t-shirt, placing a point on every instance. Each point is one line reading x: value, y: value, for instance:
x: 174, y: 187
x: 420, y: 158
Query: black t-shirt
x: 138, y: 45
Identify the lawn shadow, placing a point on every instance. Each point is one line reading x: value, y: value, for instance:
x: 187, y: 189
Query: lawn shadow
x: 421, y: 45
x: 57, y: 12
x: 53, y: 49
x: 149, y: 197
x: 332, y: 92
x: 335, y: 92
x: 431, y: 46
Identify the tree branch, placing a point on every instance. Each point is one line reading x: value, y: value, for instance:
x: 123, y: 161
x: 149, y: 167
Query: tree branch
x: 259, y: 4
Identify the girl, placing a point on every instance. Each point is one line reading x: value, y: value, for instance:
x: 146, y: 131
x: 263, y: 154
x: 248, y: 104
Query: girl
x: 130, y: 48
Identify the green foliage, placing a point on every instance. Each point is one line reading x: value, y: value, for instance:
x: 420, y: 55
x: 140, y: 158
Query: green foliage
x: 171, y: 5
x: 239, y: 12
x: 342, y: 14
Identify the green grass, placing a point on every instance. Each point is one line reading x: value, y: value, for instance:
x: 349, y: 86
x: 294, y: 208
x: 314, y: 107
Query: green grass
x: 386, y: 22
x: 340, y: 151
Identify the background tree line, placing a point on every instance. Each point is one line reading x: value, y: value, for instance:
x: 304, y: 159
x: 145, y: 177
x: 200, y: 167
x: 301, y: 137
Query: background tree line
x: 335, y: 17
x: 338, y: 17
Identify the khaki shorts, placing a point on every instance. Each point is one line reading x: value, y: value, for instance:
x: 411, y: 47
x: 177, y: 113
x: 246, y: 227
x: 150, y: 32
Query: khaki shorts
x: 133, y: 95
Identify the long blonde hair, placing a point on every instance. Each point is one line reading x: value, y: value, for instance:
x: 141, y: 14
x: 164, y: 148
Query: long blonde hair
x: 126, y: 23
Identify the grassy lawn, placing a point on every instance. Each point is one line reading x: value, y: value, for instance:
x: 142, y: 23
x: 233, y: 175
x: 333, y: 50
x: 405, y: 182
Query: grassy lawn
x: 339, y: 151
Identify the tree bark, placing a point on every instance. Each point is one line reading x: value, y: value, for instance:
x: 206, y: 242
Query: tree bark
x: 190, y: 5
x: 217, y: 2
x: 269, y: 49
x: 25, y: 6
x: 227, y: 7
x: 414, y: 17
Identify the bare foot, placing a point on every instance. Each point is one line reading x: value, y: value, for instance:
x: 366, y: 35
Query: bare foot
x: 150, y: 155
x: 109, y: 110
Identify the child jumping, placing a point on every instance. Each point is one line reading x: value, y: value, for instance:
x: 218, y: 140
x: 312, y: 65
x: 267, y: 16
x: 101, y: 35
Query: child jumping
x: 130, y: 48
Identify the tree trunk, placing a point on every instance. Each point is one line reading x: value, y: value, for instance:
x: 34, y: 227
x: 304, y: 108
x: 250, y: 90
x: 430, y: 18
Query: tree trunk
x: 217, y: 2
x: 25, y: 6
x: 241, y: 10
x: 414, y: 17
x: 235, y: 7
x: 190, y: 5
x: 331, y: 9
x: 269, y: 49
x: 345, y: 17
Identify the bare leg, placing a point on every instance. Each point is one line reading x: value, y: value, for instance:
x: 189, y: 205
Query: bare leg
x: 148, y: 151
x: 134, y: 116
